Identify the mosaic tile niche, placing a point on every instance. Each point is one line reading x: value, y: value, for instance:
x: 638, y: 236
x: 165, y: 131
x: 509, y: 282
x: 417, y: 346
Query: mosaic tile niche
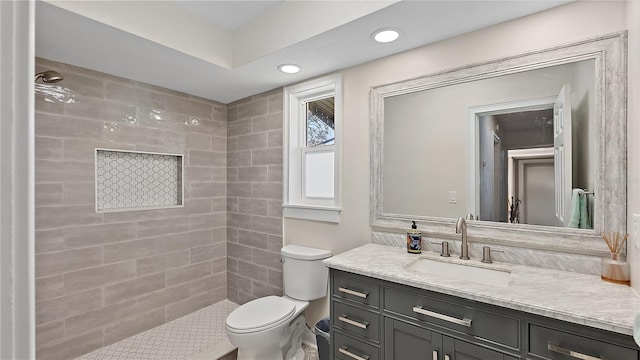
x: 128, y: 180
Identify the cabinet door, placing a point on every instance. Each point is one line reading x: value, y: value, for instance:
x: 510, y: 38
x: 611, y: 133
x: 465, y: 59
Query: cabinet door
x: 460, y: 350
x: 408, y: 342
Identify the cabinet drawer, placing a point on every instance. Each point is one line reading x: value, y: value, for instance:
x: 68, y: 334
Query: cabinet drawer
x: 356, y: 320
x: 348, y: 348
x: 455, y: 316
x: 552, y: 344
x: 355, y: 290
x: 467, y: 351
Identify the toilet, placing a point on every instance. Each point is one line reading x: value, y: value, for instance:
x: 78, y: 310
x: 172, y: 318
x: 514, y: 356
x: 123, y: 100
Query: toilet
x: 271, y: 328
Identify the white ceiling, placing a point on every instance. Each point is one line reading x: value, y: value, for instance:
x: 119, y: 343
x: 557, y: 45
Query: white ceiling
x: 228, y: 50
x: 229, y: 14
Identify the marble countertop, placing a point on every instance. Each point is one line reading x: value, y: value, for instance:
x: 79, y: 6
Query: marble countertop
x: 573, y: 297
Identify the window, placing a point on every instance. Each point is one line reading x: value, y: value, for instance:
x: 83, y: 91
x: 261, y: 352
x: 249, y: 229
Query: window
x: 321, y: 122
x: 312, y: 141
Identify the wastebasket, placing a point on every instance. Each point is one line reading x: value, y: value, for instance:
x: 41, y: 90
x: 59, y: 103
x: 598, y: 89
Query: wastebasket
x: 322, y: 338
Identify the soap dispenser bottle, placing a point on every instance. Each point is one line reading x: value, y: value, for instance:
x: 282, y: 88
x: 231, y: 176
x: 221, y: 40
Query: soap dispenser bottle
x: 414, y: 239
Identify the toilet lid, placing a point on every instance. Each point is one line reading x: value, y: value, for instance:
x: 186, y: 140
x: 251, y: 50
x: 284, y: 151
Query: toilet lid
x: 260, y: 313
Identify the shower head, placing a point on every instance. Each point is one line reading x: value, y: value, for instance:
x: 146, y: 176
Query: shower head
x: 49, y: 76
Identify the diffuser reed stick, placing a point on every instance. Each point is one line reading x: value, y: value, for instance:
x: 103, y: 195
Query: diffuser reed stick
x: 613, y: 241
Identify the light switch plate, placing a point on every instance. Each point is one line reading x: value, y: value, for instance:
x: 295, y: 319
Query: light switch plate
x: 636, y: 231
x: 452, y: 197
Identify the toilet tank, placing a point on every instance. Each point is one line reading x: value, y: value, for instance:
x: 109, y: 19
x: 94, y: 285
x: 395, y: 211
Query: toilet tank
x: 305, y: 276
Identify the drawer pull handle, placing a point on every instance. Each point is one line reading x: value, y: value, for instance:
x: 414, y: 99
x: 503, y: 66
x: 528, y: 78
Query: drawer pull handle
x: 465, y: 322
x: 361, y: 325
x: 363, y: 295
x: 435, y: 355
x: 574, y: 354
x: 345, y: 350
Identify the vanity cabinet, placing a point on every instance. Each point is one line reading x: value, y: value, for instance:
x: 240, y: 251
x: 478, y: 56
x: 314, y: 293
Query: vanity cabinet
x: 405, y: 341
x: 375, y: 319
x: 356, y: 321
x: 409, y: 342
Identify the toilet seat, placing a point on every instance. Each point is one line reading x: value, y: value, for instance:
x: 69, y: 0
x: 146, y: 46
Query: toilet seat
x: 260, y: 314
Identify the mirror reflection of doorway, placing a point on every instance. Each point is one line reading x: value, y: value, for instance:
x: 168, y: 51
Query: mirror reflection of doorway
x: 531, y: 177
x: 552, y: 135
x: 516, y: 163
x: 537, y: 191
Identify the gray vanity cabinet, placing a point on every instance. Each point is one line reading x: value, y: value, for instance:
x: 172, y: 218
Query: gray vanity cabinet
x: 409, y: 342
x: 346, y: 347
x: 551, y: 344
x: 373, y: 319
x: 460, y: 350
x: 356, y: 320
x: 440, y: 312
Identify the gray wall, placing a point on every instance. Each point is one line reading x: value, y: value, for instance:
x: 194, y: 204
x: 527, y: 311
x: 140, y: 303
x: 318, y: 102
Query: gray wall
x: 103, y: 277
x: 254, y: 202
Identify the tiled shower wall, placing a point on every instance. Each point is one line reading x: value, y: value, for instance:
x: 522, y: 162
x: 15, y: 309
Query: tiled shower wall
x: 103, y: 277
x: 254, y: 197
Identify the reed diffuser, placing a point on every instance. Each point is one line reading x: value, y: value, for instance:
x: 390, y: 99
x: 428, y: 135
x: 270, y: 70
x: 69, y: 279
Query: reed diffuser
x: 615, y: 269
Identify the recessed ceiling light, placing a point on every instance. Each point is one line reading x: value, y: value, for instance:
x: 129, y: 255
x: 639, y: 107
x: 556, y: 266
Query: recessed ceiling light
x: 385, y: 35
x: 289, y: 68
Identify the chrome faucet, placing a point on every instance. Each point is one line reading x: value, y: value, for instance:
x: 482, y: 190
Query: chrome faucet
x: 461, y: 228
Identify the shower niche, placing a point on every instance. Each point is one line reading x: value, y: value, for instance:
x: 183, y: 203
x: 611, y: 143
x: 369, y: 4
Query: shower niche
x: 133, y: 180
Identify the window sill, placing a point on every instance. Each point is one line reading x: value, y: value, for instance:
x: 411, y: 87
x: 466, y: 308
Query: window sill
x: 316, y: 213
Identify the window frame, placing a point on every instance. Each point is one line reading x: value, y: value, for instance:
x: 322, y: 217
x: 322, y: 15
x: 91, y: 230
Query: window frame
x: 295, y: 204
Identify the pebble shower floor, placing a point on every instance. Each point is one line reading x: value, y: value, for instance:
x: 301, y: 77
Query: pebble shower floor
x: 199, y: 335
x: 183, y: 338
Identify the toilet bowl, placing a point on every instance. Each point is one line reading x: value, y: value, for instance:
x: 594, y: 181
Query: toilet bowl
x: 271, y: 327
x: 261, y: 327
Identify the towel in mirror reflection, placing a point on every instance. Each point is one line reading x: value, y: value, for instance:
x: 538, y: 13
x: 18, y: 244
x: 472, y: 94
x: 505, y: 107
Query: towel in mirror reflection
x: 579, y: 217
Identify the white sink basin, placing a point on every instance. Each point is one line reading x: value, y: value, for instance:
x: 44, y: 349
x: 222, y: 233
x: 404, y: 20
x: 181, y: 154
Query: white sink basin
x: 457, y: 271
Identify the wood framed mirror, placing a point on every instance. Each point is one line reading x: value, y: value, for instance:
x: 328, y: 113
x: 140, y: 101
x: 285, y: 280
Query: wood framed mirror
x: 426, y: 145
